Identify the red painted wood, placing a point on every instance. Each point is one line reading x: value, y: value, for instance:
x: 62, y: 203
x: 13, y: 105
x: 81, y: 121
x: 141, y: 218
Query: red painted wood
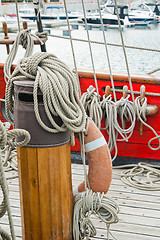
x: 137, y: 146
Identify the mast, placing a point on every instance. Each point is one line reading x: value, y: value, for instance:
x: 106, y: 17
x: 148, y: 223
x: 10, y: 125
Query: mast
x: 37, y: 5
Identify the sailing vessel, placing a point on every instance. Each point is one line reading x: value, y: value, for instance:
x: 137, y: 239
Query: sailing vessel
x: 45, y: 171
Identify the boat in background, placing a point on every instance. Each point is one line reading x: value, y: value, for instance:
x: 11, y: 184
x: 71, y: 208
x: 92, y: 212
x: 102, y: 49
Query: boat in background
x: 12, y: 24
x: 50, y: 13
x: 142, y: 14
x: 109, y: 16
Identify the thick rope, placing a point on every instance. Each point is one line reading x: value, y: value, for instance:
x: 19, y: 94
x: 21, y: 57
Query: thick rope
x: 59, y: 89
x: 25, y: 38
x: 91, y: 103
x: 8, y: 137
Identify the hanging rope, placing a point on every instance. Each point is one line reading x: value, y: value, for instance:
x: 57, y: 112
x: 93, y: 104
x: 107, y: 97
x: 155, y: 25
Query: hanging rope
x: 88, y: 203
x: 8, y: 137
x: 125, y: 109
x: 141, y: 115
x: 59, y: 89
x: 91, y: 103
x: 25, y: 38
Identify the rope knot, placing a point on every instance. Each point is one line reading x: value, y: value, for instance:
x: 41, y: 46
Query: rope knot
x: 30, y: 64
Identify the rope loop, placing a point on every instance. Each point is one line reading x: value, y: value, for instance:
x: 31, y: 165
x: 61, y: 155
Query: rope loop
x: 12, y: 134
x: 91, y: 103
x: 59, y: 89
x: 88, y: 203
x: 151, y: 174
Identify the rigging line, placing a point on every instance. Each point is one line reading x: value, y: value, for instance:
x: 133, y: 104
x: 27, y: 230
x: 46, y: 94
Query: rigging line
x: 109, y: 44
x: 124, y: 51
x: 106, y: 48
x: 17, y: 13
x: 90, y: 48
x: 153, y: 71
x: 72, y: 47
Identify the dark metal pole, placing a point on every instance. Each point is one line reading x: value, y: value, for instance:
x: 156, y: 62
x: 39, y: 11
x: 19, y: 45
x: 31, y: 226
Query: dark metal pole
x: 39, y: 26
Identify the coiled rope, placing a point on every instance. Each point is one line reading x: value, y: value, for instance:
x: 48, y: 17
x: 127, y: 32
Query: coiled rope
x: 91, y: 103
x: 126, y: 111
x: 8, y: 137
x: 25, y: 38
x: 142, y: 176
x: 88, y: 203
x: 59, y: 89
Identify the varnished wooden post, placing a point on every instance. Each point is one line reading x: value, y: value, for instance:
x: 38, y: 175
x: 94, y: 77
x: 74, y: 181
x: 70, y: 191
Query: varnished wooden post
x: 5, y: 29
x: 44, y: 176
x: 46, y: 193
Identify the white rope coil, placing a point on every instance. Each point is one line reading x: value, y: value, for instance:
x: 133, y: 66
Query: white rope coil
x: 25, y: 38
x: 59, y: 89
x: 88, y: 203
x: 126, y: 110
x: 142, y: 176
x: 91, y: 103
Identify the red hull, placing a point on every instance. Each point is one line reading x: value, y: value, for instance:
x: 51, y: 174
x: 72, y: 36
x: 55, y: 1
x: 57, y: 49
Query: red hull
x: 137, y: 146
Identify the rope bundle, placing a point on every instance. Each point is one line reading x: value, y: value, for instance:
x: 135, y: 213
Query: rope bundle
x: 148, y: 171
x: 8, y: 137
x: 88, y: 203
x: 91, y: 103
x: 25, y: 38
x: 59, y: 89
x: 126, y: 111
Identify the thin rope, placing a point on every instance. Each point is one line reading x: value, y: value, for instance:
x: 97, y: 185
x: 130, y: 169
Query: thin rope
x: 90, y: 47
x: 102, y: 43
x: 17, y: 14
x: 142, y: 176
x: 72, y: 47
x: 124, y: 51
x: 107, y: 53
x: 141, y: 114
x: 126, y: 111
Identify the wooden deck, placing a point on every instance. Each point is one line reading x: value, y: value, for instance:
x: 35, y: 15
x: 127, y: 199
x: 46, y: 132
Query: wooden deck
x: 139, y: 210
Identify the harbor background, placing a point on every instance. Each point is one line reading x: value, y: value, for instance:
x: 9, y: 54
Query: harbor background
x: 140, y: 61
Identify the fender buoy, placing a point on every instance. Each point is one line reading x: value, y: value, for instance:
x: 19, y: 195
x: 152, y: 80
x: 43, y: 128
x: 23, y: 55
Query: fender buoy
x: 99, y: 161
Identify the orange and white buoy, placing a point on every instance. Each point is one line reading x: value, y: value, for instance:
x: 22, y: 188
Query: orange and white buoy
x: 99, y: 160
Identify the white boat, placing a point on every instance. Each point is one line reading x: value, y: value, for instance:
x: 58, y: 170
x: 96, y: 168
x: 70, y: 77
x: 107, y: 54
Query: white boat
x: 109, y: 16
x: 50, y: 13
x: 12, y: 24
x: 142, y: 14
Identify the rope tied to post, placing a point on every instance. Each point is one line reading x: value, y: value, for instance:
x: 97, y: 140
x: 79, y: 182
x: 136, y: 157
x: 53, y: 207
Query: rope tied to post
x: 59, y: 88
